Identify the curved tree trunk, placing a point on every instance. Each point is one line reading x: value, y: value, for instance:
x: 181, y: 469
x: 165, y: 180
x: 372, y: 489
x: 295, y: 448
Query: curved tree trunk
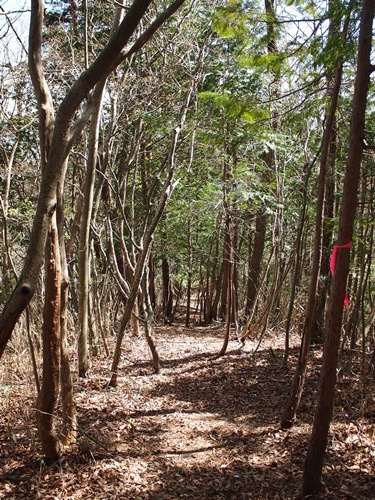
x: 149, y: 319
x: 229, y: 291
x: 212, y: 281
x: 84, y: 240
x: 47, y: 396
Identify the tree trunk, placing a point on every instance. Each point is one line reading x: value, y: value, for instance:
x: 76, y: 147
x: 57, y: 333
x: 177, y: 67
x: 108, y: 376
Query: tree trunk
x: 362, y: 266
x: 211, y: 279
x: 256, y: 260
x: 84, y: 240
x: 269, y: 161
x: 291, y: 408
x: 225, y: 272
x: 151, y: 281
x: 167, y: 292
x: 4, y: 200
x: 317, y: 329
x: 323, y: 415
x: 48, y: 394
x: 228, y: 281
x: 235, y: 252
x: 69, y: 418
x: 149, y: 318
x: 297, y: 263
x: 190, y: 265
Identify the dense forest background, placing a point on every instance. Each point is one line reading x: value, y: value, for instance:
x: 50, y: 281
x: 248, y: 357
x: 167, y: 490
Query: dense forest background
x: 192, y: 163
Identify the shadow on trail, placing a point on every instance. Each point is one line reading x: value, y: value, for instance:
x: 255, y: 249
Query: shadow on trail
x: 172, y: 363
x: 235, y: 385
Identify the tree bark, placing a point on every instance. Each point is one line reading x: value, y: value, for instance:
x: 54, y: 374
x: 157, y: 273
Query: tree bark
x: 48, y: 394
x: 190, y: 265
x: 319, y: 436
x: 69, y: 416
x: 256, y: 259
x: 292, y: 405
x: 317, y: 330
x: 297, y: 263
x: 84, y: 239
x: 167, y: 291
x: 149, y: 319
x: 229, y: 291
x: 4, y: 200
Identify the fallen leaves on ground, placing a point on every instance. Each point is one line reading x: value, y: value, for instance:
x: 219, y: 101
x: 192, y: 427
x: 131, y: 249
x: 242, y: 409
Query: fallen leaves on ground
x: 205, y: 427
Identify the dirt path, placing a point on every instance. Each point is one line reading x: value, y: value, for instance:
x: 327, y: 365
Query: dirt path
x: 204, y: 428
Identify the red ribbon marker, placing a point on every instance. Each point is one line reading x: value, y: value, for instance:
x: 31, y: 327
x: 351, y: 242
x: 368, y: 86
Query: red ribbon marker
x: 332, y: 265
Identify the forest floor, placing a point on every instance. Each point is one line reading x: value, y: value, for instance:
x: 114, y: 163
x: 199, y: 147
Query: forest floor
x: 204, y: 428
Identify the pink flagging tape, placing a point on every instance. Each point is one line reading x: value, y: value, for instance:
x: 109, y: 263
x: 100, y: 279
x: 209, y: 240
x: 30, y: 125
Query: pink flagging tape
x: 332, y: 265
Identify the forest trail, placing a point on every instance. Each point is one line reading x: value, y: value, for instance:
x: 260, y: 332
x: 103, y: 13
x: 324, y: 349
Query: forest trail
x: 205, y: 427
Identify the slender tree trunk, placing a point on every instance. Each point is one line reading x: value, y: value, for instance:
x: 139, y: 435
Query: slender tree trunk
x: 48, y: 394
x: 226, y: 264
x: 217, y: 292
x: 234, y: 263
x: 149, y: 319
x: 253, y: 280
x: 317, y: 329
x: 297, y: 264
x: 351, y: 326
x: 358, y: 291
x: 85, y: 240
x: 151, y: 281
x: 291, y: 408
x: 68, y: 433
x: 212, y: 280
x: 369, y: 325
x: 269, y: 161
x: 84, y: 246
x: 7, y: 261
x: 190, y: 264
x: 229, y: 270
x: 319, y: 436
x: 138, y: 274
x: 167, y: 291
x: 225, y: 272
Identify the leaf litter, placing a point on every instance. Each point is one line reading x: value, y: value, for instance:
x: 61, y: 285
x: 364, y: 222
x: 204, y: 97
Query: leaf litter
x: 204, y: 428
